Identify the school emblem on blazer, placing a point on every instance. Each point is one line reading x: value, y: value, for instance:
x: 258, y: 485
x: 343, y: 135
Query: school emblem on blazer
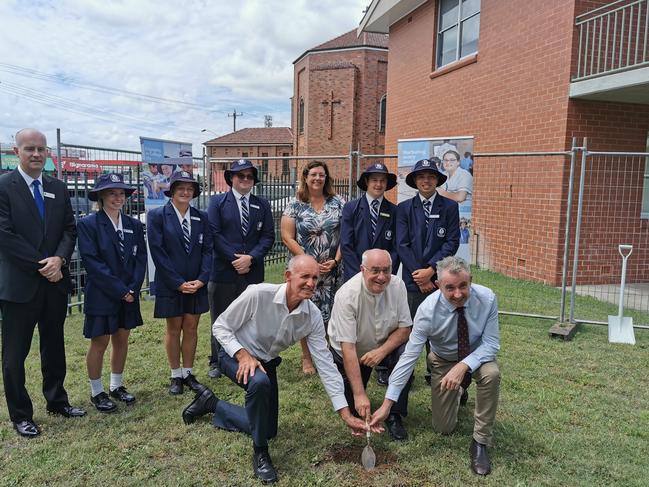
x: 259, y: 225
x: 200, y: 239
x: 388, y: 234
x: 134, y: 250
x: 441, y: 231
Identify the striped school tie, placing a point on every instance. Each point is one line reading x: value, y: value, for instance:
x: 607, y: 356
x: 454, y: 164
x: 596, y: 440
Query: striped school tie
x: 374, y: 215
x: 427, y: 206
x: 186, y: 235
x: 120, y: 240
x: 245, y: 215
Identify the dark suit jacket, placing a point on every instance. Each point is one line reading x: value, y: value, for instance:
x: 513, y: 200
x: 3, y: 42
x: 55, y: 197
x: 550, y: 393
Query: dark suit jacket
x: 225, y: 222
x: 25, y: 238
x: 420, y: 246
x: 109, y: 277
x: 173, y: 265
x: 356, y: 230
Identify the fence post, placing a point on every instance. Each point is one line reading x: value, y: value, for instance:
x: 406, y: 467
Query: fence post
x: 566, y: 245
x: 59, y: 170
x: 351, y: 162
x: 575, y: 263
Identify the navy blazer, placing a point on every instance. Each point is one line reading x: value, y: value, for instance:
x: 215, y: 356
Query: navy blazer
x: 109, y: 278
x: 25, y: 238
x: 173, y: 265
x: 356, y: 234
x: 225, y: 222
x: 420, y: 246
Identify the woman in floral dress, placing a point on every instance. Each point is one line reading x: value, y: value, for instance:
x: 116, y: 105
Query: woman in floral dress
x: 311, y: 225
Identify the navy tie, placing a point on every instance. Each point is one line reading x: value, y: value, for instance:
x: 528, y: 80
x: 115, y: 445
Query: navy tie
x: 120, y: 239
x: 374, y: 215
x: 463, y: 347
x: 427, y: 206
x: 38, y: 198
x: 245, y: 215
x: 186, y: 235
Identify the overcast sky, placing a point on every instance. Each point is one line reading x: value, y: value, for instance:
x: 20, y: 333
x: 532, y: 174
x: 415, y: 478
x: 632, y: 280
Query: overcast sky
x: 70, y: 63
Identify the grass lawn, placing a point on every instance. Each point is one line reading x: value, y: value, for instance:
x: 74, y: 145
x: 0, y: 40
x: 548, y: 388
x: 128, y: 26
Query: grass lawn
x: 572, y: 413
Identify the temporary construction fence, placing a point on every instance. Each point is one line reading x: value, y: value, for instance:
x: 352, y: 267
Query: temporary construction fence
x: 565, y: 237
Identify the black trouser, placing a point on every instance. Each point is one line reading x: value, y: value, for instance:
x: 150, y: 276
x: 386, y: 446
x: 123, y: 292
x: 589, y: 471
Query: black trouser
x: 220, y: 295
x: 401, y: 406
x: 414, y: 300
x: 48, y: 308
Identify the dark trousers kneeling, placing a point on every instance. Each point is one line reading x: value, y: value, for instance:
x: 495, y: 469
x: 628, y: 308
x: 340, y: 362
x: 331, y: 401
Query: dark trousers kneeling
x: 259, y: 416
x: 401, y: 406
x: 220, y: 295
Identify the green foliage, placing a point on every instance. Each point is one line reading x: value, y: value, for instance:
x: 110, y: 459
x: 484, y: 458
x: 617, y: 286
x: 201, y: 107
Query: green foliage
x: 570, y: 413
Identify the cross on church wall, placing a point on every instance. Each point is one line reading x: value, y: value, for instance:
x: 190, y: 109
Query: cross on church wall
x: 331, y: 101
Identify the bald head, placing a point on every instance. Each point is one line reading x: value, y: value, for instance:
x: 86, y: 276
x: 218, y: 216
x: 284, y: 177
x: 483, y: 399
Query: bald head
x: 31, y: 149
x: 299, y: 261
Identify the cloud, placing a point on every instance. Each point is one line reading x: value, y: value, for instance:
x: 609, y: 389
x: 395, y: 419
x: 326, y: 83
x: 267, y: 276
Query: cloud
x: 216, y: 55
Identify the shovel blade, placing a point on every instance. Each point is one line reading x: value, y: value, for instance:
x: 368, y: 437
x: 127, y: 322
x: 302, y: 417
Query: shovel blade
x: 368, y: 458
x: 620, y: 330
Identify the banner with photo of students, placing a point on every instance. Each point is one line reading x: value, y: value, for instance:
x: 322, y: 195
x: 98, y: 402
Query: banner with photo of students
x: 160, y: 159
x: 459, y: 173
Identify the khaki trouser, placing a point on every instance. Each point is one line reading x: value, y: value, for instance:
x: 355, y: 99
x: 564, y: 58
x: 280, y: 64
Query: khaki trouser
x: 445, y: 403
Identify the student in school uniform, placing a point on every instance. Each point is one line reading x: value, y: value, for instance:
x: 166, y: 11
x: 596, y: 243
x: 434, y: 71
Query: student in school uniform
x: 113, y: 252
x: 181, y: 248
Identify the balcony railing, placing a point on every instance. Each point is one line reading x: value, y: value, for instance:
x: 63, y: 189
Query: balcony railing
x: 612, y: 38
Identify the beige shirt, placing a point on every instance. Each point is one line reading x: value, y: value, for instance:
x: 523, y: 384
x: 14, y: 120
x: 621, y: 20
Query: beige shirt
x: 367, y: 319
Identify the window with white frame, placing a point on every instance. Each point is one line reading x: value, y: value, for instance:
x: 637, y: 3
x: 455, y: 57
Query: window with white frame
x: 458, y: 30
x: 644, y: 211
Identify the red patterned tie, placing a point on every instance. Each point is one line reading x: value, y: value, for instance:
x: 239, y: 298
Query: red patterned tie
x: 463, y: 347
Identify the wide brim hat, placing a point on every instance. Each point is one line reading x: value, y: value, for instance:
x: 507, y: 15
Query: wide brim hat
x: 240, y: 165
x: 376, y: 168
x: 182, y: 177
x: 110, y: 181
x: 421, y: 166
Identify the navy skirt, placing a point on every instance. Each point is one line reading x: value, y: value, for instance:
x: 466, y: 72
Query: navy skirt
x: 127, y: 318
x: 180, y: 304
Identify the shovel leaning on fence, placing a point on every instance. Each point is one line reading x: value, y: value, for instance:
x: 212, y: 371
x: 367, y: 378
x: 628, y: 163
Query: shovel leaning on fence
x: 620, y: 328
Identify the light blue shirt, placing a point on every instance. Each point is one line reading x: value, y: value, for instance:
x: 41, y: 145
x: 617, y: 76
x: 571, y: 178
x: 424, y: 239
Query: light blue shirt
x: 436, y: 321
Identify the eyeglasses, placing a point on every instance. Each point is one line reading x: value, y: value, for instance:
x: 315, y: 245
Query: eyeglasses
x: 251, y: 177
x: 375, y: 271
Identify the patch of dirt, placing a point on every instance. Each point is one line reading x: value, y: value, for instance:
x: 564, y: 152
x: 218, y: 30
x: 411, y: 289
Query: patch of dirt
x: 352, y: 454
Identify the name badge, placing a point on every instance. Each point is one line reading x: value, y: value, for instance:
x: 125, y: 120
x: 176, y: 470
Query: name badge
x: 434, y: 216
x: 49, y: 195
x: 386, y: 215
x: 259, y: 225
x: 128, y: 230
x: 254, y: 206
x: 134, y: 250
x: 200, y: 238
x: 196, y: 218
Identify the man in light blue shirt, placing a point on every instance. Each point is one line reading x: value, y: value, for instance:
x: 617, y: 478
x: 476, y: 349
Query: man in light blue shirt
x: 460, y: 321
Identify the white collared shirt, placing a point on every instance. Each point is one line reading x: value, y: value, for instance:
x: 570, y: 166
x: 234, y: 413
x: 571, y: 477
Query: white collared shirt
x: 29, y: 180
x: 370, y: 199
x: 431, y: 199
x: 366, y: 319
x: 117, y: 226
x: 237, y: 197
x: 186, y: 218
x: 259, y: 322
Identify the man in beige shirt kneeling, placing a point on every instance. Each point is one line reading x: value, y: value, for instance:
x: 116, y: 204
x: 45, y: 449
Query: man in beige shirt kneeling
x: 369, y: 326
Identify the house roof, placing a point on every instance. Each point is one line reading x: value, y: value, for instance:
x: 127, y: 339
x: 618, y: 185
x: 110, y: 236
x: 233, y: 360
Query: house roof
x: 255, y: 136
x: 350, y: 40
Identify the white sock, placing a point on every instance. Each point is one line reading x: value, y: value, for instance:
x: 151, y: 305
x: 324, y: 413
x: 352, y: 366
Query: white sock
x: 115, y: 381
x: 177, y: 373
x: 96, y: 387
x: 186, y: 372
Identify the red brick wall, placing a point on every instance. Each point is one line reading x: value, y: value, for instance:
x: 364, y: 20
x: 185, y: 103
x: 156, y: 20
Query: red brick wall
x: 358, y: 78
x: 514, y: 98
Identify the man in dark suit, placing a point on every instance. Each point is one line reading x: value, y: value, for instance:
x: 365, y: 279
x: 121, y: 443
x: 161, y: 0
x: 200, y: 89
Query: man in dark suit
x: 428, y: 229
x: 37, y: 237
x: 243, y: 233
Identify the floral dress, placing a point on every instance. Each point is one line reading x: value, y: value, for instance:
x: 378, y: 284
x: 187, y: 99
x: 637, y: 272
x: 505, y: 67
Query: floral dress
x: 319, y: 235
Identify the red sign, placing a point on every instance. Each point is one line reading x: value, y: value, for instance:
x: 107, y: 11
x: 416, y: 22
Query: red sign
x: 96, y: 166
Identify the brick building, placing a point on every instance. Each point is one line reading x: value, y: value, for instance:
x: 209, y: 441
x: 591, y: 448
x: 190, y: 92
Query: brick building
x: 521, y: 77
x: 339, y: 100
x: 250, y: 143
